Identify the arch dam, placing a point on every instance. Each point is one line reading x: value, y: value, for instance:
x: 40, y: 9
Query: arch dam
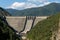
x: 23, y: 24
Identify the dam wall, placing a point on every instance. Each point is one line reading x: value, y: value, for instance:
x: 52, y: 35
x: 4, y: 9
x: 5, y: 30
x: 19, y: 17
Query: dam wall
x: 16, y: 22
x: 39, y: 18
x: 24, y: 23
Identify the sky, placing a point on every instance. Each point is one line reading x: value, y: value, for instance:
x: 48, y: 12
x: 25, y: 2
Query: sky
x: 24, y: 4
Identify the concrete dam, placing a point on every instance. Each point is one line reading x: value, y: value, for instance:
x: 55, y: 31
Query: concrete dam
x: 23, y: 24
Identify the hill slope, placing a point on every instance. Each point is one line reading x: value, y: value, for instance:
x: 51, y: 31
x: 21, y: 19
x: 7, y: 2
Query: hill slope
x: 47, y: 10
x: 44, y: 29
x: 6, y: 32
x: 4, y: 12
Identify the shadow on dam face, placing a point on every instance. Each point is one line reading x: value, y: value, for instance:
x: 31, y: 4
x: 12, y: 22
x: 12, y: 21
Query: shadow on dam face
x: 19, y: 22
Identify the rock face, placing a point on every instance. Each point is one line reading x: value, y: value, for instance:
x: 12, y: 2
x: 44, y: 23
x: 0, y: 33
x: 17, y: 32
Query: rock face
x: 3, y: 12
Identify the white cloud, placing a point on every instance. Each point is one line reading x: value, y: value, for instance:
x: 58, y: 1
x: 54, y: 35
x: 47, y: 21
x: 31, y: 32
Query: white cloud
x: 30, y: 5
x: 17, y: 5
x: 22, y: 5
x: 25, y: 5
x: 41, y: 1
x: 45, y: 3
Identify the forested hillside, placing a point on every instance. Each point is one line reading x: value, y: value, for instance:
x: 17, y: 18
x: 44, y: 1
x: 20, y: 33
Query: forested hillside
x: 6, y: 32
x: 4, y: 12
x: 44, y: 29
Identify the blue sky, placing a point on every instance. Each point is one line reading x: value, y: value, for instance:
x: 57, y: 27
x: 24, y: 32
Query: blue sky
x: 23, y: 4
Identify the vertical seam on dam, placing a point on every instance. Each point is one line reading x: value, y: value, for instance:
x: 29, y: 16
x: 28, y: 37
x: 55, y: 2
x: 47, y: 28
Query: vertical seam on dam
x: 24, y: 25
x: 33, y: 22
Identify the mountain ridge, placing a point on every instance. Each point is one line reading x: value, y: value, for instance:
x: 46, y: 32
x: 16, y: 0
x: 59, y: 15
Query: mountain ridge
x: 46, y: 10
x: 3, y: 12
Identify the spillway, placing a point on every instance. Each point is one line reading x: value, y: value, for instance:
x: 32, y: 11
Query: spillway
x: 28, y: 26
